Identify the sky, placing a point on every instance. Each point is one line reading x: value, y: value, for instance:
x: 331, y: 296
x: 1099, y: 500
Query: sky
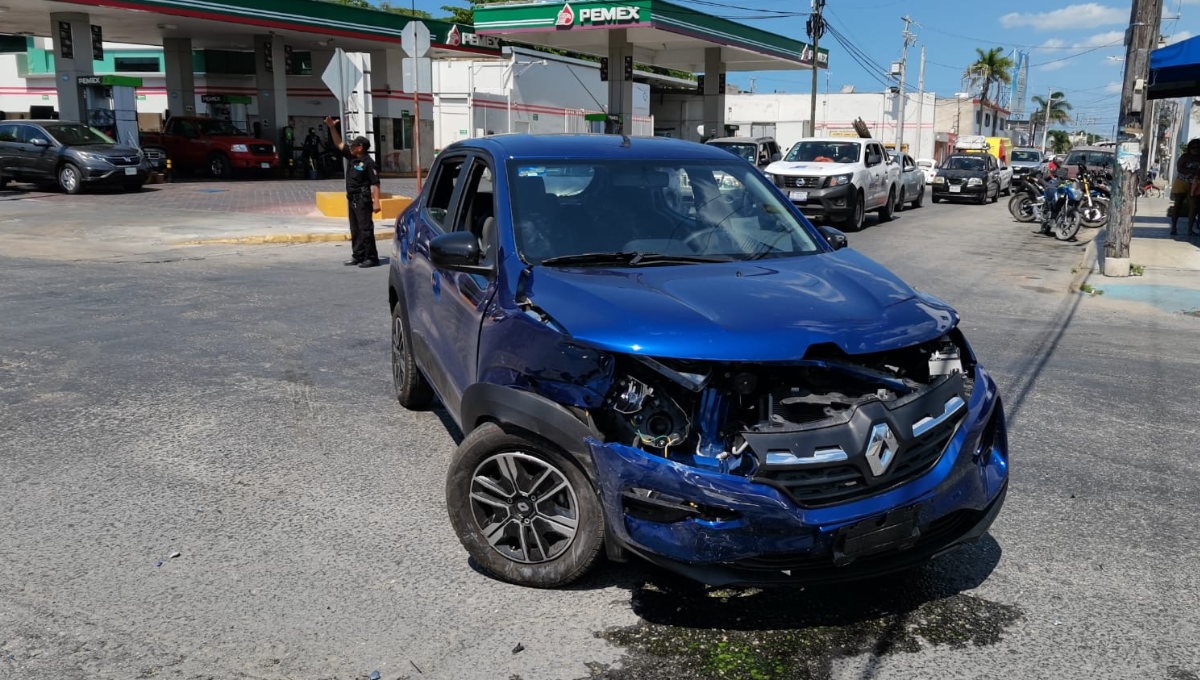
x: 1074, y: 47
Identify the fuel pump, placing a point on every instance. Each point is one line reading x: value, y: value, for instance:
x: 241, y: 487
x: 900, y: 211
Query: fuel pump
x: 111, y: 105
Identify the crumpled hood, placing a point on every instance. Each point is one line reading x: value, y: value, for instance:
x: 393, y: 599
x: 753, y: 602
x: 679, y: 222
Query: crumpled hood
x: 770, y: 310
x: 792, y: 168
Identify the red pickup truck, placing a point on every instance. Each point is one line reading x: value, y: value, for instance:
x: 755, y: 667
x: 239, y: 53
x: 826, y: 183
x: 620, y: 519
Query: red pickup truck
x: 216, y: 146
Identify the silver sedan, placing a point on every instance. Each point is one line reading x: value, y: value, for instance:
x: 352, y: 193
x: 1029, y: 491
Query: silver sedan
x: 912, y: 181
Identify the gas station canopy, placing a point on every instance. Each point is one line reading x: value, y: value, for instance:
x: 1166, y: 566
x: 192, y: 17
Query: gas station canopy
x: 662, y: 34
x: 232, y: 24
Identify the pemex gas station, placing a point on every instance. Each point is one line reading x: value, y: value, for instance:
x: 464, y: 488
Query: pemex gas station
x: 260, y: 61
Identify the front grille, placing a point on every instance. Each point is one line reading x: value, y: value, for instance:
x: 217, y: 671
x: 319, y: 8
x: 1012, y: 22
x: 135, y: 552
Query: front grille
x: 261, y: 149
x: 846, y: 482
x: 956, y: 180
x: 123, y: 161
x: 154, y: 154
x: 801, y: 182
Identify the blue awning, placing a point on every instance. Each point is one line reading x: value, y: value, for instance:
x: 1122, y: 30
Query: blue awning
x: 1175, y: 70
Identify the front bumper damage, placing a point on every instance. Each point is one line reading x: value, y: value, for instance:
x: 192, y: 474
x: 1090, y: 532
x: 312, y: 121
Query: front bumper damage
x: 722, y: 529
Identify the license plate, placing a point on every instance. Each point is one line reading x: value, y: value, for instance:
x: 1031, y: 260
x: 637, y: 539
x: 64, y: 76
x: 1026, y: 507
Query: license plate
x: 130, y: 171
x: 896, y: 530
x: 799, y: 195
x: 955, y: 190
x: 266, y: 165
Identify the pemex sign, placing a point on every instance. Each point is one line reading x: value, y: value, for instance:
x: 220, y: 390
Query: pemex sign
x: 597, y: 16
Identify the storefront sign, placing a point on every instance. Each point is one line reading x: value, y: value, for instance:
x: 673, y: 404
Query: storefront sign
x: 597, y: 15
x: 456, y: 37
x: 97, y: 44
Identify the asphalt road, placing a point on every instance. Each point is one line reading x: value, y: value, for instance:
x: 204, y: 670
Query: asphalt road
x: 204, y: 474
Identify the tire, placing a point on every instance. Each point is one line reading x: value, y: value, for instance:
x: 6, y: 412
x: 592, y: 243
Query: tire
x: 412, y: 389
x: 920, y: 198
x: 900, y: 202
x: 888, y: 211
x: 983, y: 198
x: 1101, y: 207
x: 1008, y: 189
x: 3, y: 183
x: 1066, y: 230
x: 996, y: 196
x: 1021, y: 207
x: 492, y: 496
x: 219, y: 166
x: 70, y: 179
x: 134, y: 186
x: 935, y: 199
x: 859, y: 214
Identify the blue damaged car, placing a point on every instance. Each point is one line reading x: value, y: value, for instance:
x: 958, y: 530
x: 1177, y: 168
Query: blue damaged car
x: 651, y: 352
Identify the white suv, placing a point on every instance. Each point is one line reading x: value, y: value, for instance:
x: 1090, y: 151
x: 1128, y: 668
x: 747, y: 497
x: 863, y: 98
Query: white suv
x: 838, y: 179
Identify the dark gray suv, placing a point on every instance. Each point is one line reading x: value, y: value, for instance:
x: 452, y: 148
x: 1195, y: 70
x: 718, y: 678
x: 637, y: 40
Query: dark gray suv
x: 70, y: 155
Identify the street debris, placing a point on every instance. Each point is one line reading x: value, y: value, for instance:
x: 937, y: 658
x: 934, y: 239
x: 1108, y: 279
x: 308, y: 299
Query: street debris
x: 519, y: 648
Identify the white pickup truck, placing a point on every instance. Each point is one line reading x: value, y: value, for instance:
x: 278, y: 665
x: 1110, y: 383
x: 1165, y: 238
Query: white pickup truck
x: 838, y: 179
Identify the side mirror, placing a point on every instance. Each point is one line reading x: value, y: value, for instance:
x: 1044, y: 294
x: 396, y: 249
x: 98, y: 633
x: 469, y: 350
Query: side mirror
x: 457, y: 251
x: 873, y: 159
x: 834, y: 237
x: 39, y: 142
x: 776, y: 157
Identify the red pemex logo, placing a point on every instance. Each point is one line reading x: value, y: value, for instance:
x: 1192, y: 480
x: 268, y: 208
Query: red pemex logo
x: 566, y: 16
x: 453, y: 38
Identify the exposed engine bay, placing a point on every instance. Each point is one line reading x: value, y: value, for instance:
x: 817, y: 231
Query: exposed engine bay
x: 715, y: 415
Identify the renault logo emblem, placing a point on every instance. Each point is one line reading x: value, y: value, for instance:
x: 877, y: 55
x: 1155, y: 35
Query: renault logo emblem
x: 881, y: 449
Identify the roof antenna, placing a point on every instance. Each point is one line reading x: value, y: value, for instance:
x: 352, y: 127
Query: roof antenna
x: 624, y: 137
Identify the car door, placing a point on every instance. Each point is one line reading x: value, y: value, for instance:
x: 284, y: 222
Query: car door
x: 913, y: 180
x: 40, y: 154
x: 466, y: 295
x: 10, y: 151
x: 425, y: 287
x: 877, y: 174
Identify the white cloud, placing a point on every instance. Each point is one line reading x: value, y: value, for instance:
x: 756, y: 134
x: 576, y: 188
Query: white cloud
x: 1087, y: 15
x: 1181, y: 35
x: 1113, y: 88
x: 1053, y: 66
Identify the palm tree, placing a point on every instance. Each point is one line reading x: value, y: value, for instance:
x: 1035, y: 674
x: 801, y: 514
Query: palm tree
x: 1056, y: 112
x: 1060, y: 141
x: 990, y: 67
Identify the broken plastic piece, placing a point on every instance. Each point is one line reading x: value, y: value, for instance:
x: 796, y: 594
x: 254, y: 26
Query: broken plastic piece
x: 519, y: 648
x: 375, y: 675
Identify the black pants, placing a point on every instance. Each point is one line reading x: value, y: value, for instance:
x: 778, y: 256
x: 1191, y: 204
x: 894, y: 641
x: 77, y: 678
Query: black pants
x: 362, y: 228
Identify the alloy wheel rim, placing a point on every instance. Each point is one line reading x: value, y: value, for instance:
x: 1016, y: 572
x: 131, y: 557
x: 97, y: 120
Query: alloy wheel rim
x: 525, y: 508
x: 217, y: 167
x: 68, y: 178
x: 858, y: 213
x: 398, y: 351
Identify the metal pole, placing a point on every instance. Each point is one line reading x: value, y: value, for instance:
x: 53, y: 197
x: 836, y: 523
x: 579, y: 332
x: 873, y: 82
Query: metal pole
x: 903, y: 71
x: 920, y: 101
x: 816, y: 26
x: 1046, y: 117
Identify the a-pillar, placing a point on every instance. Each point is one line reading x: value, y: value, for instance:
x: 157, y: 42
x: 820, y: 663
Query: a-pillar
x: 620, y: 90
x: 76, y: 28
x: 181, y: 82
x: 714, y: 93
x: 271, y: 78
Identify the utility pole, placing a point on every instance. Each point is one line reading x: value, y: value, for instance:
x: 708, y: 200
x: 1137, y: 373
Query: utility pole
x: 753, y: 84
x: 1046, y: 116
x: 1142, y: 36
x: 816, y: 28
x: 920, y: 101
x: 909, y: 39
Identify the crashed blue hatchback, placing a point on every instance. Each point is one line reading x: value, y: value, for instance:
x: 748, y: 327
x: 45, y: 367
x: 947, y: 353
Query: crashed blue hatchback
x: 651, y: 352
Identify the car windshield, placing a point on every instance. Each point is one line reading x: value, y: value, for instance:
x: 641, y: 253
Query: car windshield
x: 77, y: 135
x: 218, y: 128
x: 963, y: 163
x: 1027, y: 156
x: 668, y: 212
x: 925, y: 164
x: 825, y: 152
x: 737, y: 148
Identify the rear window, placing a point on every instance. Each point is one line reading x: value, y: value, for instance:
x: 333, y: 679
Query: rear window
x: 964, y: 163
x: 1027, y: 156
x: 1089, y: 158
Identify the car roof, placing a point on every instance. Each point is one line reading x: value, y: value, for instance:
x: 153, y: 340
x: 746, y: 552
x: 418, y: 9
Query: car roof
x: 40, y: 121
x: 1102, y: 149
x: 837, y: 139
x: 589, y: 146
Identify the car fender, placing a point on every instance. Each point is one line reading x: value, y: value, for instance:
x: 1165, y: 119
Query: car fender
x: 484, y: 402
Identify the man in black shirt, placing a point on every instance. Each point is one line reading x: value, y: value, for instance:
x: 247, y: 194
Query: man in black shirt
x: 362, y: 195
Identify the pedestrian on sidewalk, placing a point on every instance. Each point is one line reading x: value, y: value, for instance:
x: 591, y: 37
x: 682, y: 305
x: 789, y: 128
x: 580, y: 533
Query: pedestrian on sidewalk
x: 287, y: 147
x: 311, y: 152
x: 362, y: 195
x: 1186, y: 188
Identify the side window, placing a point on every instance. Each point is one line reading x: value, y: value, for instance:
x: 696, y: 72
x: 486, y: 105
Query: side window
x: 32, y: 133
x: 908, y: 164
x: 8, y: 133
x: 441, y: 189
x: 172, y: 127
x: 477, y: 209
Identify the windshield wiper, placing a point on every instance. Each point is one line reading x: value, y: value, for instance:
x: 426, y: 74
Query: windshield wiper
x: 630, y: 259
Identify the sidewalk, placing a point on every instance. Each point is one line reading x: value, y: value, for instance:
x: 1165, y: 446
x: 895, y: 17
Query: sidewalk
x: 1171, y: 278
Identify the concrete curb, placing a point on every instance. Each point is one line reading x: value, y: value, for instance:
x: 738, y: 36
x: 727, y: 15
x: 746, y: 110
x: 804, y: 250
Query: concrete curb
x: 1089, y: 261
x: 380, y: 235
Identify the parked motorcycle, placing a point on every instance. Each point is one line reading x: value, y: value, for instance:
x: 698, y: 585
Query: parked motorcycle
x: 1028, y: 199
x: 1061, y: 214
x: 1093, y: 210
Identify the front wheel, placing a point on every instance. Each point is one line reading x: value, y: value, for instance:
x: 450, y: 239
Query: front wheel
x: 901, y: 201
x: 219, y: 167
x: 1095, y: 215
x: 920, y: 198
x: 857, y: 215
x: 70, y: 179
x: 1066, y: 228
x: 522, y: 509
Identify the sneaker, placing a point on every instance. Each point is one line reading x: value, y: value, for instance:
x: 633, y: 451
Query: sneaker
x: 352, y: 263
x: 368, y: 263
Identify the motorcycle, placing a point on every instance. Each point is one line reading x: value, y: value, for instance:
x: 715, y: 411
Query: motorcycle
x: 1094, y: 207
x: 1061, y: 214
x: 1028, y: 199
